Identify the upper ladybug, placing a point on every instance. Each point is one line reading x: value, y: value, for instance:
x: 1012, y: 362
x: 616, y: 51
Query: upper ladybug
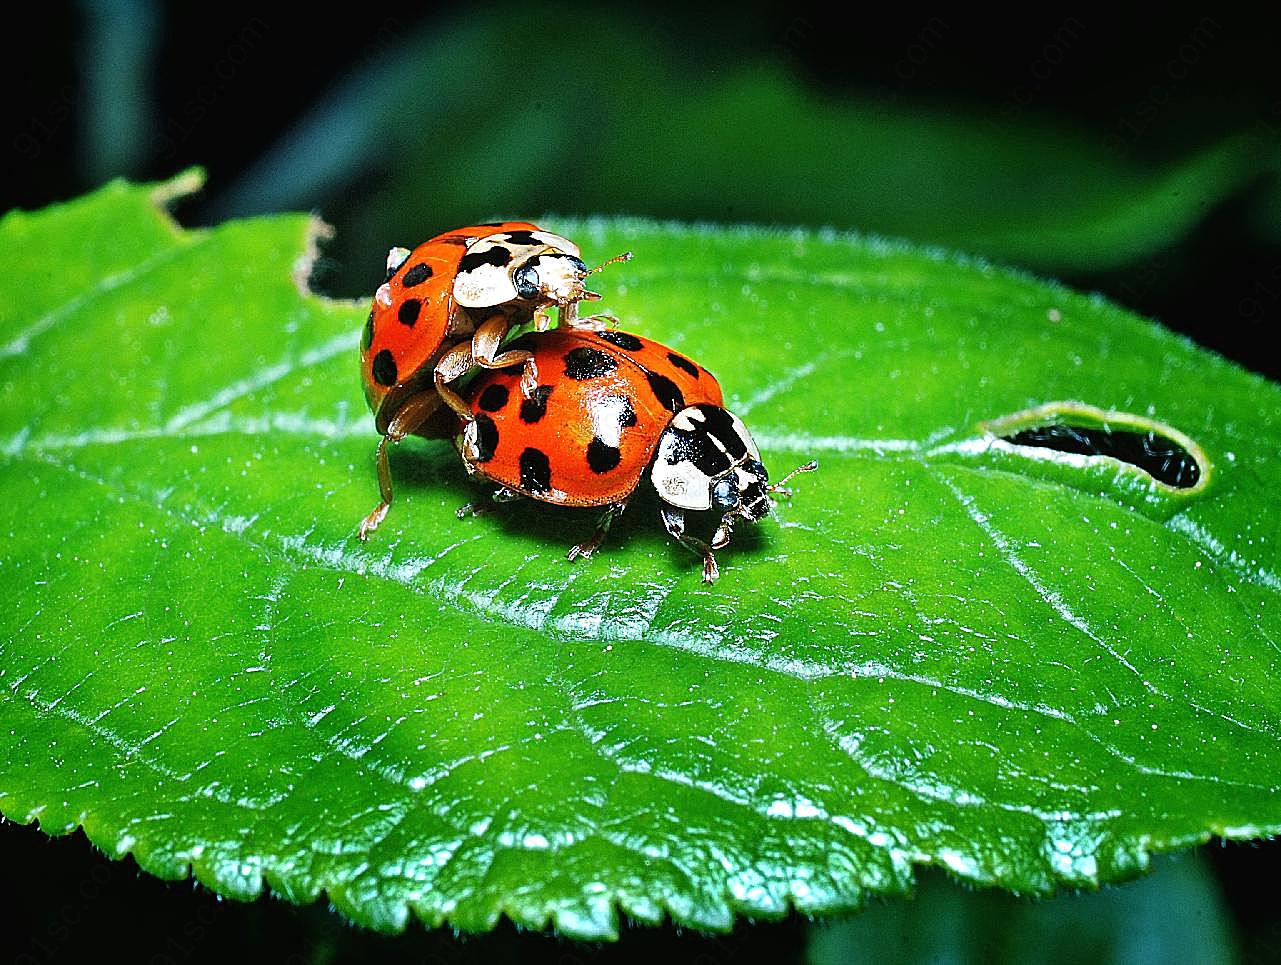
x: 446, y: 307
x: 612, y: 406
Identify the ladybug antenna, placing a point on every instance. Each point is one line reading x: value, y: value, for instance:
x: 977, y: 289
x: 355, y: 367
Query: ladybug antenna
x: 625, y: 256
x: 590, y: 296
x: 778, y: 486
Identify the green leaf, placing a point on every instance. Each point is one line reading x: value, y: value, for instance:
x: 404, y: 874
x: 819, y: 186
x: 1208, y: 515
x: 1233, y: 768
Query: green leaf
x: 1031, y: 668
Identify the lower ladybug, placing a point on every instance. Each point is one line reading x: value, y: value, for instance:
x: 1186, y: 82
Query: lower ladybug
x: 612, y: 408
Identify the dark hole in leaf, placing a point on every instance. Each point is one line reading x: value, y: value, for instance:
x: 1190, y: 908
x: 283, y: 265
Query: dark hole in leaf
x: 1161, y: 458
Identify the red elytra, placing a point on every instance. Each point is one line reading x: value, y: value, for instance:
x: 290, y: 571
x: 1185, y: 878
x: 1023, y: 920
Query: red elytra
x: 597, y: 418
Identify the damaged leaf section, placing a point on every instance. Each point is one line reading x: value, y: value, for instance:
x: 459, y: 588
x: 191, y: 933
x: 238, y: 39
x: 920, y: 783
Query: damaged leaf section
x: 1136, y: 459
x: 1159, y: 456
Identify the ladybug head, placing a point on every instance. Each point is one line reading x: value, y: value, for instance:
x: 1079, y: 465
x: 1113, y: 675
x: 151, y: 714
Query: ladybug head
x: 551, y: 276
x: 707, y: 460
x: 557, y: 276
x: 512, y: 266
x: 742, y: 494
x: 536, y: 267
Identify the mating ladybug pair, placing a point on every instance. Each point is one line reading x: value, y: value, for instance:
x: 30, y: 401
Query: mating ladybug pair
x: 573, y: 416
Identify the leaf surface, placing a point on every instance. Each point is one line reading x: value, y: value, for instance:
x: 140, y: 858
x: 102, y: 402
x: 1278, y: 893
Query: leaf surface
x: 1029, y: 667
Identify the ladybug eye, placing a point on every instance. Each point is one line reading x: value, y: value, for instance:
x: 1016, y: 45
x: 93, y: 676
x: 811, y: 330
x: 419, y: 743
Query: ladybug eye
x: 526, y: 280
x: 754, y: 467
x: 725, y: 494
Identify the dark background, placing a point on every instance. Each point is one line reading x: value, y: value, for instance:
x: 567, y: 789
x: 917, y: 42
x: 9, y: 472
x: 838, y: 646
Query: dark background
x: 145, y: 90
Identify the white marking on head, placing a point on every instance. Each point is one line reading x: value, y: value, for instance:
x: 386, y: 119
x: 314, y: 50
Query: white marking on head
x: 557, y: 242
x: 679, y: 482
x: 484, y: 287
x: 688, y: 418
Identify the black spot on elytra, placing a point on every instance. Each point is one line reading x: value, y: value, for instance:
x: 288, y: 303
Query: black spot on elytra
x: 384, y: 368
x: 493, y: 398
x: 682, y: 363
x: 667, y: 392
x: 601, y: 457
x: 486, y: 437
x: 416, y: 275
x: 584, y: 363
x: 408, y: 311
x: 496, y: 256
x: 535, y: 471
x: 622, y: 340
x: 367, y: 336
x: 490, y: 224
x: 522, y: 238
x: 535, y: 407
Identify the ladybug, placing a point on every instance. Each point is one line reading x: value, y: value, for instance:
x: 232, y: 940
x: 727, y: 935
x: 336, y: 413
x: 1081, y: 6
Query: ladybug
x: 447, y: 306
x: 614, y: 407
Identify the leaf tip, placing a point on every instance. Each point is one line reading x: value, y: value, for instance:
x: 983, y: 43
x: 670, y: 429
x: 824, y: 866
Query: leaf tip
x: 179, y: 186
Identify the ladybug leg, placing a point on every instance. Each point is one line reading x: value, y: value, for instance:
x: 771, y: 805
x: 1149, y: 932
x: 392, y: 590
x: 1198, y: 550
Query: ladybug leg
x: 674, y: 521
x: 485, y: 350
x: 412, y: 414
x: 567, y: 316
x: 480, y: 506
x: 453, y: 365
x: 594, y: 323
x: 587, y: 547
x: 543, y: 318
